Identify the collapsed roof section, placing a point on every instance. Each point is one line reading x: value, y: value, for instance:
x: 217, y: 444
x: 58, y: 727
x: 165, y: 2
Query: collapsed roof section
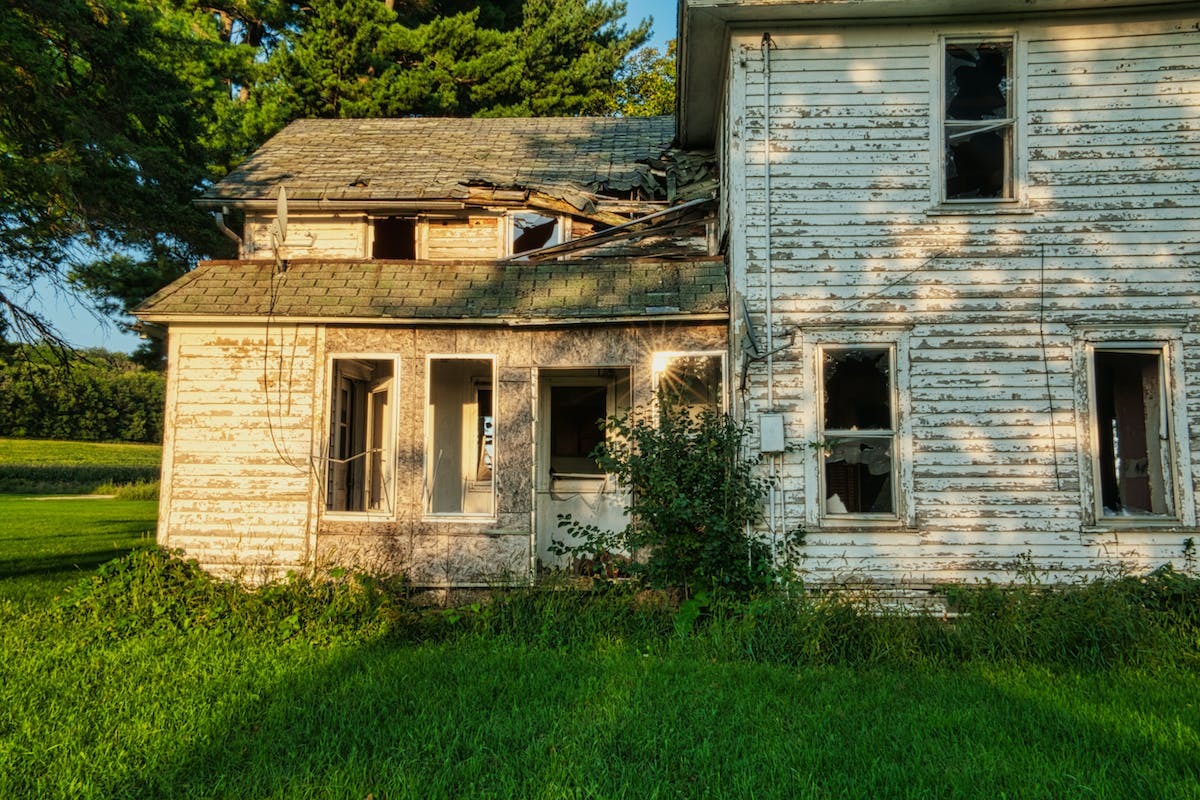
x: 609, y: 169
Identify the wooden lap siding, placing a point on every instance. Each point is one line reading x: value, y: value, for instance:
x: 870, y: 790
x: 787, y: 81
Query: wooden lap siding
x: 1107, y: 234
x: 237, y: 484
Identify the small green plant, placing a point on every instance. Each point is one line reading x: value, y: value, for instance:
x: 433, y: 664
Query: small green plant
x: 695, y: 495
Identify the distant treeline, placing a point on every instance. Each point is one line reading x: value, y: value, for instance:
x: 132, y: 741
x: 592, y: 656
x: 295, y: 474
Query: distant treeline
x: 90, y: 395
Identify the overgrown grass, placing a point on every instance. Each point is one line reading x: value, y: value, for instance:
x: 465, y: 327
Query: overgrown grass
x: 36, y: 466
x: 150, y: 679
x: 49, y: 543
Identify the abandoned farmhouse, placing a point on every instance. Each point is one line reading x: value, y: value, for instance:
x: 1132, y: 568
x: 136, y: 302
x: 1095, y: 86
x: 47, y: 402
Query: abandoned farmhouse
x: 943, y: 257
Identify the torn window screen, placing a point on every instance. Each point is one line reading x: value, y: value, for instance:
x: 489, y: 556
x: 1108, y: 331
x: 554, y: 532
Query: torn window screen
x: 978, y: 124
x: 858, y: 431
x: 532, y: 231
x: 1133, y: 435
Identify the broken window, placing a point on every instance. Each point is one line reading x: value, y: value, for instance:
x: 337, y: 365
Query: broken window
x: 1133, y: 432
x: 460, y: 456
x: 532, y: 231
x: 858, y: 430
x: 689, y: 381
x: 359, y: 471
x: 978, y: 126
x: 395, y: 237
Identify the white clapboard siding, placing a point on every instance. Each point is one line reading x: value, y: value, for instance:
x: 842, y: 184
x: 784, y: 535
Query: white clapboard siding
x: 237, y: 478
x: 989, y: 305
x: 308, y: 236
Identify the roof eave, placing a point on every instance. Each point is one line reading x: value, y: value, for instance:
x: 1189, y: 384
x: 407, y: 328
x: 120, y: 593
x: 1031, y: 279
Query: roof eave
x: 705, y: 25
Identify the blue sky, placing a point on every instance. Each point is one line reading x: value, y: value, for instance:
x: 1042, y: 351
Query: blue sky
x: 85, y: 329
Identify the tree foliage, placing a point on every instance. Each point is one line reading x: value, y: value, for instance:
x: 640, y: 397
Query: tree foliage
x: 99, y: 396
x: 646, y: 83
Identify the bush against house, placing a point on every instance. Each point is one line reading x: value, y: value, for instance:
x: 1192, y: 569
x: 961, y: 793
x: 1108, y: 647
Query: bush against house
x: 94, y: 396
x: 695, y: 498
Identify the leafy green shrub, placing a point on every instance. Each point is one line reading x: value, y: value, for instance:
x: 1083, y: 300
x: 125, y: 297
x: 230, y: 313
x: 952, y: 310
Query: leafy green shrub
x: 695, y: 496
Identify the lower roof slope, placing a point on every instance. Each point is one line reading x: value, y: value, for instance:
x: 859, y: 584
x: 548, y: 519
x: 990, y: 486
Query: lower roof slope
x: 445, y: 292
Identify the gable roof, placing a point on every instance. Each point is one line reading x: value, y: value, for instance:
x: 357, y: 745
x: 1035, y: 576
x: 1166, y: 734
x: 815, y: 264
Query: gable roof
x: 382, y: 292
x: 427, y: 158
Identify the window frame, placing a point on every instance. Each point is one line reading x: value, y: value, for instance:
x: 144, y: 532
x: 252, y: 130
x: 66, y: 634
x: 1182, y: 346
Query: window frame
x: 387, y: 510
x: 476, y: 384
x: 658, y: 365
x: 1015, y: 177
x: 508, y: 231
x: 815, y: 342
x: 1175, y: 455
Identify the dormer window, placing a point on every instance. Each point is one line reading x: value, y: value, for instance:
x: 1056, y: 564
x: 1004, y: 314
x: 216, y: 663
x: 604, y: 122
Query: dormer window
x: 394, y: 237
x: 530, y: 230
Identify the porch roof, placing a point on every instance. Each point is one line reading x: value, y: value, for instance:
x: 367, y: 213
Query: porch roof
x: 430, y: 292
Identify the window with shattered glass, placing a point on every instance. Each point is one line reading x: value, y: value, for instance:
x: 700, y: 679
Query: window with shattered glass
x: 978, y: 122
x: 533, y: 231
x: 858, y: 430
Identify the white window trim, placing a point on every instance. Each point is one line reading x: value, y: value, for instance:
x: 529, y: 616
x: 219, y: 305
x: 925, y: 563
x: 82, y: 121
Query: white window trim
x: 1016, y: 204
x: 659, y: 361
x: 426, y: 514
x: 368, y: 515
x: 508, y: 229
x: 814, y: 344
x: 1169, y: 342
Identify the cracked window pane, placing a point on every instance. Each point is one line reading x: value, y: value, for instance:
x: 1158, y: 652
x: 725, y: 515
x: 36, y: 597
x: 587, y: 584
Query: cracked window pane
x: 978, y: 124
x: 532, y: 231
x: 858, y: 438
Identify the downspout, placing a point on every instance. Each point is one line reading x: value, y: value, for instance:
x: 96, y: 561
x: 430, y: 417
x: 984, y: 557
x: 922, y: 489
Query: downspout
x: 767, y: 44
x: 775, y: 469
x: 219, y: 219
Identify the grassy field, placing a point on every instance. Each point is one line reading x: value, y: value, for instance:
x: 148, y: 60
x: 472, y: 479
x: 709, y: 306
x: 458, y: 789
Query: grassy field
x: 143, y: 678
x: 35, y: 466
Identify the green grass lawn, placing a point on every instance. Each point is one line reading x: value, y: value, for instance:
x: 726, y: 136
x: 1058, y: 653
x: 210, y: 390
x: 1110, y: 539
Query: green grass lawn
x: 153, y: 687
x: 203, y: 714
x: 48, y: 543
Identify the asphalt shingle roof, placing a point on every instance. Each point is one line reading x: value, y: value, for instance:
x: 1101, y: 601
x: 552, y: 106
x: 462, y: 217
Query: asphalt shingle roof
x: 407, y: 290
x: 436, y: 158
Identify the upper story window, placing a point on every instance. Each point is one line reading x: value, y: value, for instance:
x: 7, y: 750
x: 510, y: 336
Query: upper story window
x: 529, y: 230
x: 394, y: 237
x: 978, y: 120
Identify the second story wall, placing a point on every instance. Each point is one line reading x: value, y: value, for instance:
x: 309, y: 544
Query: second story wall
x: 989, y: 283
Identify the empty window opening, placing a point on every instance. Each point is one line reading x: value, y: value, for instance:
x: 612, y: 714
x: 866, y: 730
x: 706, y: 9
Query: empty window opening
x: 1133, y: 437
x: 532, y: 231
x: 460, y: 458
x: 360, y: 460
x: 577, y: 415
x: 689, y: 382
x: 395, y: 237
x: 858, y: 431
x: 979, y: 120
